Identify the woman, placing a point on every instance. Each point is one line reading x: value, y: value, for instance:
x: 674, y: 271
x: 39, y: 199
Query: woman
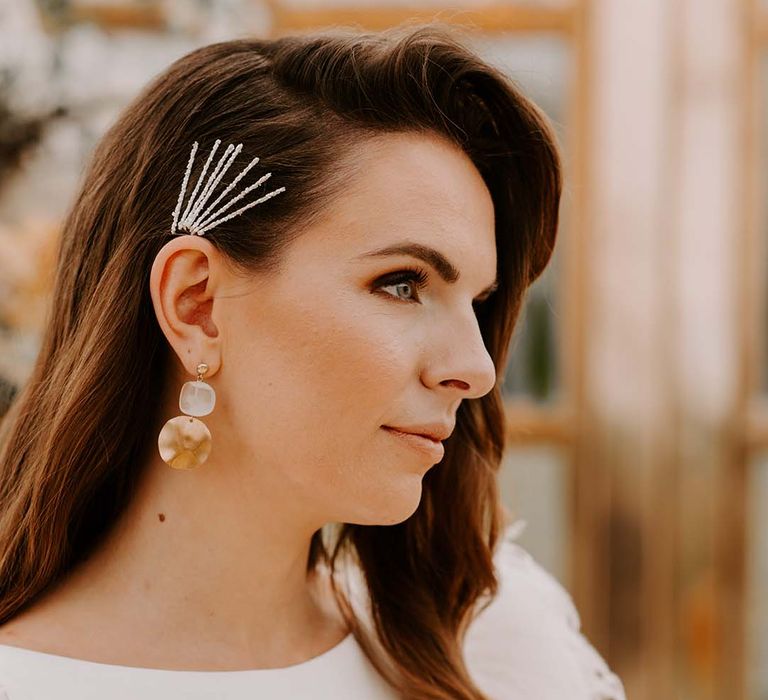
x: 213, y: 484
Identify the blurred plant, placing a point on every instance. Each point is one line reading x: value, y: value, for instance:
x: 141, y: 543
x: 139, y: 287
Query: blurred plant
x: 27, y: 267
x: 18, y: 132
x: 53, y: 12
x: 59, y: 15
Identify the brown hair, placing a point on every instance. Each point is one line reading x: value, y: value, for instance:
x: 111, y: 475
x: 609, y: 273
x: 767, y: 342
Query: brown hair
x: 71, y: 440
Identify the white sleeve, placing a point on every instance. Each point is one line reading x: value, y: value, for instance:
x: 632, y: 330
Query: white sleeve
x: 528, y: 642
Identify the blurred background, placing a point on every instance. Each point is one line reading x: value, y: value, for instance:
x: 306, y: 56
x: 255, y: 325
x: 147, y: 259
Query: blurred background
x: 638, y: 378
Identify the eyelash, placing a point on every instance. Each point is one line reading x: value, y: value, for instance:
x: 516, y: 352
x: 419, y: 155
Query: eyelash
x: 414, y: 275
x: 418, y: 277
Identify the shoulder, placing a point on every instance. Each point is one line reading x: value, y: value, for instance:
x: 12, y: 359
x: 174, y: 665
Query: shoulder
x: 528, y: 642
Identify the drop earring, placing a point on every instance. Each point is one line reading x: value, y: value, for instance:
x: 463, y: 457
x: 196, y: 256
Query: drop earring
x: 185, y: 441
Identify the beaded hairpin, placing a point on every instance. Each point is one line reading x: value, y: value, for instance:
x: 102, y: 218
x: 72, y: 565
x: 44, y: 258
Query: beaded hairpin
x: 196, y: 220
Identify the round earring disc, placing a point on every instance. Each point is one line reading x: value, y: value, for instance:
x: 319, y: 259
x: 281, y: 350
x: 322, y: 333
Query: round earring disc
x: 184, y: 442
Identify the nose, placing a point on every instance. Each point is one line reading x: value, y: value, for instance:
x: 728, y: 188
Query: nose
x: 460, y: 362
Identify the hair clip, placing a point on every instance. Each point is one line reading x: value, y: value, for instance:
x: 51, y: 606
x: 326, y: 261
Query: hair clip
x: 199, y: 218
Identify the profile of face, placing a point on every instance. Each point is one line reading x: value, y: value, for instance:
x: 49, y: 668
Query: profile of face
x: 310, y: 363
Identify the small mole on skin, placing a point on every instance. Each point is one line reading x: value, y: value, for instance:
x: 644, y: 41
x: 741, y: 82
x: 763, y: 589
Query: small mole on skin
x: 161, y: 516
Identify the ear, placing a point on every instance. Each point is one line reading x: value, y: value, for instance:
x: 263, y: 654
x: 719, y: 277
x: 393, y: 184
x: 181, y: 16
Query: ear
x: 184, y: 277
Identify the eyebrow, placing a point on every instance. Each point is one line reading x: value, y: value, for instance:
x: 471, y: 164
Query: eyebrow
x: 444, y: 267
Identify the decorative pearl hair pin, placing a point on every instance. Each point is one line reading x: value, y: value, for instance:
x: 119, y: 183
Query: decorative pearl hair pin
x: 197, y: 218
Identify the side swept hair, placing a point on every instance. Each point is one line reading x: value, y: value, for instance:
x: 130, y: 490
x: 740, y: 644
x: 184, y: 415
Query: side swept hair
x: 70, y: 443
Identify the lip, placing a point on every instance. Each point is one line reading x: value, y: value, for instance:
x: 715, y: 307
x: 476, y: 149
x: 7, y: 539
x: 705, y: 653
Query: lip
x: 428, y: 446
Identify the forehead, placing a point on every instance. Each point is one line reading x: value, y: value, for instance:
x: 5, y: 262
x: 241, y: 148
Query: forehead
x: 418, y: 186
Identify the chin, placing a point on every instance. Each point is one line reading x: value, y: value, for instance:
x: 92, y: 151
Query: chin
x: 393, y: 505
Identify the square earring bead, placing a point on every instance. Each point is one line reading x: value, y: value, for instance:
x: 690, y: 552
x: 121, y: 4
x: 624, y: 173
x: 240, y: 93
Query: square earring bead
x: 197, y: 398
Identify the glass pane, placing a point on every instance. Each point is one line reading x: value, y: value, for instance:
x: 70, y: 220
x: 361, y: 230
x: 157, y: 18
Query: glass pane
x: 536, y: 486
x: 533, y: 367
x: 757, y: 579
x: 541, y: 65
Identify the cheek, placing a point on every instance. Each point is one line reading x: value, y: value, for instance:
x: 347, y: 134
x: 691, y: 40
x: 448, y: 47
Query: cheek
x: 311, y: 390
x: 317, y: 380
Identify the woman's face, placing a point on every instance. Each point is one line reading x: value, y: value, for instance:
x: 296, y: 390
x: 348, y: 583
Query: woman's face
x: 316, y: 359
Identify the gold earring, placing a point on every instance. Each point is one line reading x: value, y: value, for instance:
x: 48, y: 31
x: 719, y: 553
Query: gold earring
x: 184, y: 441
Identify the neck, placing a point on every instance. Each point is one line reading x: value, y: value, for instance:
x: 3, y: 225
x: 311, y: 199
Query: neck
x: 199, y: 572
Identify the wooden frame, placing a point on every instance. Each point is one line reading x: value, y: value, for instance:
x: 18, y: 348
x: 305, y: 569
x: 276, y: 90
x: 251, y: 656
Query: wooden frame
x: 491, y: 17
x: 749, y: 432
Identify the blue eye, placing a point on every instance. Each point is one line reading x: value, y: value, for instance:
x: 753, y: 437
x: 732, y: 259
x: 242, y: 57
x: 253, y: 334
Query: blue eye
x: 415, y: 277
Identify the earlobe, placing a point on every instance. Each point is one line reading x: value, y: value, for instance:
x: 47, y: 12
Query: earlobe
x: 182, y: 282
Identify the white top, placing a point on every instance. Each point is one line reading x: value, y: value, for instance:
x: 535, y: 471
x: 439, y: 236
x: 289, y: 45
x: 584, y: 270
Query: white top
x: 526, y: 644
